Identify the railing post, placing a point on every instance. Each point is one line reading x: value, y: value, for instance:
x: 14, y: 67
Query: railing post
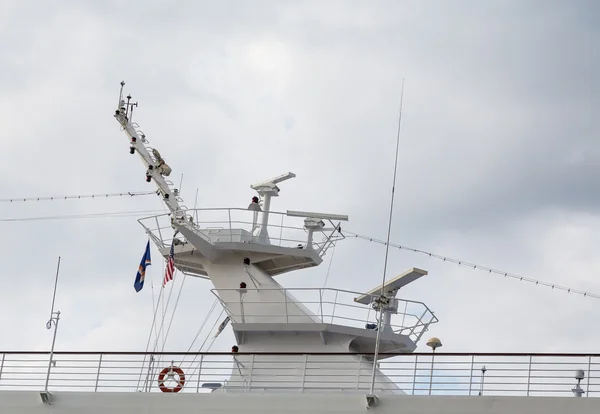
x: 230, y: 235
x: 471, y: 375
x: 415, y: 374
x: 404, y: 314
x: 431, y: 373
x: 304, y: 371
x: 321, y: 303
x: 98, y: 373
x: 423, y: 329
x: 2, y: 365
x: 286, y: 305
x: 242, y: 306
x: 359, y: 370
x: 587, y: 387
x: 334, y: 304
x: 159, y: 232
x: 529, y: 375
x: 149, y: 374
x: 199, y: 373
x: 281, y: 231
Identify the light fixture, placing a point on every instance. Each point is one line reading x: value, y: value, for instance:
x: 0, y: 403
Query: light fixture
x: 433, y: 343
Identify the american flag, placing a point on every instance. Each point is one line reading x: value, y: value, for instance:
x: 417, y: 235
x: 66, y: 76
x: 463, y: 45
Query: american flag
x: 170, y: 264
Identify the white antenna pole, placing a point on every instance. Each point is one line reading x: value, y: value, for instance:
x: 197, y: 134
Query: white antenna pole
x: 121, y: 95
x: 180, y: 184
x: 381, y: 300
x: 54, y: 317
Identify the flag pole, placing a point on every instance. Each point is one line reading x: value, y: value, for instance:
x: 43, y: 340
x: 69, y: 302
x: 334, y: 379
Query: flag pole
x: 54, y: 317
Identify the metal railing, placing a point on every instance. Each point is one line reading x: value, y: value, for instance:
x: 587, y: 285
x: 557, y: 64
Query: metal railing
x: 420, y: 373
x: 327, y: 305
x: 238, y: 225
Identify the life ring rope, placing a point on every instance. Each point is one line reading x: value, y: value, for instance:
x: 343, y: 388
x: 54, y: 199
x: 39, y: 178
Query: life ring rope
x: 170, y: 372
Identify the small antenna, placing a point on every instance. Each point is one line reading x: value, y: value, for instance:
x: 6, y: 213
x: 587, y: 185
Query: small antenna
x: 382, y: 300
x: 120, y: 95
x: 180, y: 183
x: 54, y: 317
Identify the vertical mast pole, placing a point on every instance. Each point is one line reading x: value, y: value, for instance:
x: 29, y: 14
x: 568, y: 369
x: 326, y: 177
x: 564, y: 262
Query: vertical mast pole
x: 387, y: 248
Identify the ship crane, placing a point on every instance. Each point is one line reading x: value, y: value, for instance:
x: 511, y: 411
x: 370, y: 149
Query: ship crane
x: 156, y: 170
x: 156, y: 167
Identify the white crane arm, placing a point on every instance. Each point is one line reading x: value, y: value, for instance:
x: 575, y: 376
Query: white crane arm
x: 153, y: 167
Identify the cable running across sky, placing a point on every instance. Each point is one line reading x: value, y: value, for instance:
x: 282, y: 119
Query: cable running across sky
x: 349, y: 234
x: 77, y: 197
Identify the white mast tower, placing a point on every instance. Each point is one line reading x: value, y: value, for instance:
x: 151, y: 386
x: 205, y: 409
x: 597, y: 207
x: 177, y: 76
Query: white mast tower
x: 240, y: 258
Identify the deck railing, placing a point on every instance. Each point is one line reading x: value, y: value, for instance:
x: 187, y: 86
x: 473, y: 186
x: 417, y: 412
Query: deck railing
x: 332, y: 306
x: 238, y: 225
x: 418, y: 373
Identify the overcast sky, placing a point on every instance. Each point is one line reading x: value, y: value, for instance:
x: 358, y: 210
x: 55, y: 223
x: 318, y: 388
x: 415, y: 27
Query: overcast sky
x: 498, y: 163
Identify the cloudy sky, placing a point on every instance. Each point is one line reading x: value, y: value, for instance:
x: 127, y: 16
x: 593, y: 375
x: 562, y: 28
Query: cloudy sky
x: 498, y: 163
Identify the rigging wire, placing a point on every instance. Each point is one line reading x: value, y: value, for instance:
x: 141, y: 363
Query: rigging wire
x: 329, y: 266
x: 326, y: 278
x: 150, y: 338
x: 205, y: 339
x: 114, y: 214
x: 214, y: 305
x: 153, y: 308
x: 174, y: 310
x: 162, y: 323
x: 77, y: 197
x: 385, y: 263
x: 464, y: 263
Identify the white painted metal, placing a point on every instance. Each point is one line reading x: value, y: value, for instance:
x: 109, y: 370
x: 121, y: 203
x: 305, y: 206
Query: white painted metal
x: 453, y: 374
x: 239, y: 256
x: 338, y: 217
x: 143, y: 403
x: 232, y: 228
x: 266, y: 190
x: 392, y: 286
x: 329, y: 306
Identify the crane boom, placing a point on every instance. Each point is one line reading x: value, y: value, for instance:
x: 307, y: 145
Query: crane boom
x: 156, y: 170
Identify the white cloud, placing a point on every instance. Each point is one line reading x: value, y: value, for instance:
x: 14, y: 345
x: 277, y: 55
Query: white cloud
x: 497, y: 155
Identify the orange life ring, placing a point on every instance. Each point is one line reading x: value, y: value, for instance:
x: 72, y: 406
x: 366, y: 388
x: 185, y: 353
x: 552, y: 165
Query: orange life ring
x: 170, y: 372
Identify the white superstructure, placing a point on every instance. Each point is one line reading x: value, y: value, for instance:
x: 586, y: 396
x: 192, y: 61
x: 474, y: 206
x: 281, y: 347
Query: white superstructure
x: 242, y: 253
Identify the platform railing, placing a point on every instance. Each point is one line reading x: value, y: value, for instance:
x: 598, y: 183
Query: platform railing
x: 237, y: 224
x: 551, y: 375
x: 328, y: 305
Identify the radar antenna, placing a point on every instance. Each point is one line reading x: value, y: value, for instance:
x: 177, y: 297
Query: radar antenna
x: 266, y: 190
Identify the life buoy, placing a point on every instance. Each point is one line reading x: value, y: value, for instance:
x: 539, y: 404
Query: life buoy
x: 170, y: 372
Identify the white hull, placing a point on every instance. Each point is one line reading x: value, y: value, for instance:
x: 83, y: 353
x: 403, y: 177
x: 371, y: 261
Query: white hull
x: 28, y: 402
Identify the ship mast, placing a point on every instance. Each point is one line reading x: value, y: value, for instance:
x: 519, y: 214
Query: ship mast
x: 235, y: 249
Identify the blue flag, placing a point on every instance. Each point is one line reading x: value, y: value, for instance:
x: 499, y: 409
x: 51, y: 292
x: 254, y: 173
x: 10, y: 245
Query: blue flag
x: 141, y: 273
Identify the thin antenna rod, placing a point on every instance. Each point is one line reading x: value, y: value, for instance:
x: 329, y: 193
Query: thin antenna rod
x: 387, y: 245
x: 120, y: 95
x: 55, y: 285
x: 54, y: 317
x: 180, y: 184
x: 195, y: 205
